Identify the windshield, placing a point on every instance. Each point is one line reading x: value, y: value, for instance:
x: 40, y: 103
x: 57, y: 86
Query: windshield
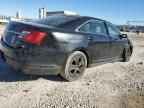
x: 55, y: 20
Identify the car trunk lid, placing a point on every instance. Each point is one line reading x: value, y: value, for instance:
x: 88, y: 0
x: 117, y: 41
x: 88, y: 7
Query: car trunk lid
x: 15, y: 35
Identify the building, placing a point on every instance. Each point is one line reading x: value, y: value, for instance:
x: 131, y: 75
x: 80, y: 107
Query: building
x: 7, y: 19
x: 4, y: 19
x: 42, y: 12
x: 132, y: 28
x: 54, y: 13
x: 60, y: 13
x: 18, y: 15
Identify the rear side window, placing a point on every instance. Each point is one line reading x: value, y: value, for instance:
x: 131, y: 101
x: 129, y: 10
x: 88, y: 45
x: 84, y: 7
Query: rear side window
x: 86, y: 28
x: 95, y: 27
x: 55, y: 20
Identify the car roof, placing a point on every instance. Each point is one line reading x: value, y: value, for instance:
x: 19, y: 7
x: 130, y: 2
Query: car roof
x: 84, y: 17
x: 72, y: 25
x: 92, y: 18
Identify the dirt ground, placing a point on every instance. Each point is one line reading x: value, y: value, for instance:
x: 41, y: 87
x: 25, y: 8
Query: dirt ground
x: 112, y: 85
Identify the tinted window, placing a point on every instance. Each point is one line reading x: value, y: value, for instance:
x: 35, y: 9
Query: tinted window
x: 96, y: 27
x: 113, y: 31
x: 55, y: 20
x: 86, y: 28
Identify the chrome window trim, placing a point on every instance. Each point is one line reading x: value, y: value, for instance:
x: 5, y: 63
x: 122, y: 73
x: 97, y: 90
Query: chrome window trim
x: 10, y: 31
x: 77, y: 29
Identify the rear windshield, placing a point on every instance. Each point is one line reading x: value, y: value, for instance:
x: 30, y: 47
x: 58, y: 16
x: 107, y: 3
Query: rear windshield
x: 55, y: 20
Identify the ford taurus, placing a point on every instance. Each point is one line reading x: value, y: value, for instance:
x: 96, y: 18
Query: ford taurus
x: 63, y: 44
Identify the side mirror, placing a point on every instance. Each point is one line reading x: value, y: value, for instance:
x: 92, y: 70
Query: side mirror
x: 124, y: 36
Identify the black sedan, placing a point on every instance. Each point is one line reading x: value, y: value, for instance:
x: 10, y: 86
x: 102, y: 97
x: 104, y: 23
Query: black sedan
x: 63, y: 44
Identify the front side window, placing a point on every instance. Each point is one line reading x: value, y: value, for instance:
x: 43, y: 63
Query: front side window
x: 95, y: 27
x: 113, y: 31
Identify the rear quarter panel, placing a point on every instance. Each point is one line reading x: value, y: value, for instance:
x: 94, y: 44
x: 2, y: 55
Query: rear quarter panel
x: 75, y: 42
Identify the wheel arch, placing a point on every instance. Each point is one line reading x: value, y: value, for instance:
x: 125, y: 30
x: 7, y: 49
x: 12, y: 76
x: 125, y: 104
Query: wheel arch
x: 131, y: 48
x: 87, y: 55
x: 83, y: 50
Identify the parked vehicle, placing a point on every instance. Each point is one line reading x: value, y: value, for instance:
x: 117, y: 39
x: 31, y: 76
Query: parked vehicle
x: 63, y: 44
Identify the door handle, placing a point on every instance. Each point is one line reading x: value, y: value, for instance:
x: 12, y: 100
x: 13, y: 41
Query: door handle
x: 114, y: 39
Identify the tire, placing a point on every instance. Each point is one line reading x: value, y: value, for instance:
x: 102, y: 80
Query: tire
x: 126, y: 55
x: 2, y: 58
x: 75, y: 66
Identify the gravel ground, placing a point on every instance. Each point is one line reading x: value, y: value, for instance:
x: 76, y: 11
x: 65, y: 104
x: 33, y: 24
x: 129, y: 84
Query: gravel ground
x: 112, y: 85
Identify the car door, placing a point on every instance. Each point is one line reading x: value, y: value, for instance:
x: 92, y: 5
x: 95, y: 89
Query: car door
x: 117, y: 43
x: 99, y: 41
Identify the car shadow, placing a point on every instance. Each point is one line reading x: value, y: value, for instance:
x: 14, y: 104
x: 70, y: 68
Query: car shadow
x: 8, y: 74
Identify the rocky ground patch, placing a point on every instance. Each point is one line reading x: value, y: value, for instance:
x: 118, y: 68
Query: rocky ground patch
x: 112, y: 85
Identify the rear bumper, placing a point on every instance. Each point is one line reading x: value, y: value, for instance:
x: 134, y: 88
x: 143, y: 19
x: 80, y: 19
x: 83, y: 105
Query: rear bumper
x: 11, y: 58
x: 34, y: 70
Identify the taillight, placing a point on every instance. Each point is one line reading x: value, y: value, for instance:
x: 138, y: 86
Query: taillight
x: 34, y: 37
